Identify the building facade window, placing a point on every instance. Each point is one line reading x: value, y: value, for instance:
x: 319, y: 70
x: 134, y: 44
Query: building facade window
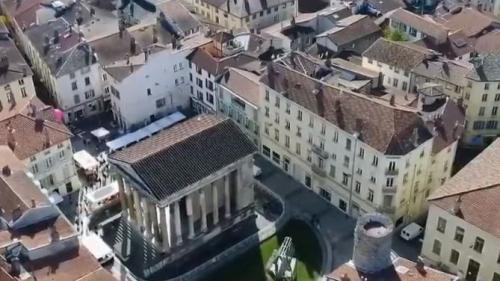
x: 345, y: 179
x: 454, y: 256
x: 441, y: 225
x: 459, y: 234
x: 370, y: 195
x: 479, y: 244
x: 436, y: 247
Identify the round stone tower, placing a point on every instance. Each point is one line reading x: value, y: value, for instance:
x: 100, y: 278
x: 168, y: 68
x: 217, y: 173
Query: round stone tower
x: 373, y: 243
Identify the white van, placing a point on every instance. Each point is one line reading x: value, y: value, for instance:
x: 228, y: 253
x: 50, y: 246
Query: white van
x: 411, y: 231
x: 100, y: 250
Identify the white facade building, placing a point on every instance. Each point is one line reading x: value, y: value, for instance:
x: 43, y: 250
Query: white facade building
x: 330, y: 140
x: 253, y: 15
x: 209, y: 61
x: 45, y: 149
x: 397, y: 67
x: 68, y: 68
x: 146, y: 73
x: 462, y: 233
x: 238, y: 98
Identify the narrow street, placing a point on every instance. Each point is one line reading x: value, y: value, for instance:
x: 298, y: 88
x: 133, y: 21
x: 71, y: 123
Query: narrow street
x: 335, y: 227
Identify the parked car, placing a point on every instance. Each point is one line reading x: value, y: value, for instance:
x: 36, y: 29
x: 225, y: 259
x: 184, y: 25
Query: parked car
x: 411, y: 231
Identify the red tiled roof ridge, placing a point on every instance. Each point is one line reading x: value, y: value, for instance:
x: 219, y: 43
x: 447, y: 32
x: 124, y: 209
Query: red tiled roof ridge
x: 47, y: 123
x: 6, y: 182
x: 462, y: 192
x: 359, y: 95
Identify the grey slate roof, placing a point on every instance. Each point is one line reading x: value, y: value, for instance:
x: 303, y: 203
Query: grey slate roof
x: 184, y: 154
x: 404, y: 56
x: 352, y: 28
x: 489, y: 69
x: 17, y: 65
x: 244, y: 8
x: 66, y: 56
x: 179, y: 17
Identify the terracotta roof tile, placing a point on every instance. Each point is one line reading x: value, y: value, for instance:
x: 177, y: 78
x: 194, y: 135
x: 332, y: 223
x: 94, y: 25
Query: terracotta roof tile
x: 243, y: 83
x: 405, y: 56
x: 385, y: 128
x: 30, y: 135
x: 479, y: 173
x: 402, y: 270
x: 420, y: 23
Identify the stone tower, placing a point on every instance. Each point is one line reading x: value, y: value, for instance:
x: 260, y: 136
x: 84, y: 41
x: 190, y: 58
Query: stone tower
x: 372, y: 243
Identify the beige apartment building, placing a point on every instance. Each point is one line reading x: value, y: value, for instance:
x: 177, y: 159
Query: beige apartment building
x: 254, y: 15
x: 361, y: 154
x: 462, y: 233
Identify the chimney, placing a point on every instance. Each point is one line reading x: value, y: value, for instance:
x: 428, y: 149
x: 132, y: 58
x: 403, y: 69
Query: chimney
x: 359, y: 127
x: 392, y: 100
x: 455, y: 130
x: 155, y: 35
x: 339, y: 114
x: 46, y: 45
x: 46, y: 135
x: 90, y: 55
x: 121, y: 28
x: 414, y: 137
x: 420, y: 266
x: 4, y: 64
x: 56, y: 36
x: 133, y: 46
x: 174, y: 42
x: 15, y: 267
x: 320, y: 103
x: 457, y: 205
x: 270, y: 74
x: 16, y: 213
x: 33, y: 203
x: 11, y: 139
x: 6, y: 171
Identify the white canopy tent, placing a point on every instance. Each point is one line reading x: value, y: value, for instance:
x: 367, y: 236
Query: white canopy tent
x: 102, y: 193
x: 85, y: 161
x: 145, y: 132
x: 100, y: 133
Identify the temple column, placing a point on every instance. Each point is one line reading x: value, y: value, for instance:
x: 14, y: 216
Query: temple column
x: 189, y: 211
x: 121, y: 191
x: 130, y: 202
x: 215, y: 203
x: 154, y: 218
x: 138, y: 211
x: 164, y: 230
x: 239, y: 185
x: 203, y: 207
x: 147, y: 217
x: 227, y: 197
x: 178, y: 226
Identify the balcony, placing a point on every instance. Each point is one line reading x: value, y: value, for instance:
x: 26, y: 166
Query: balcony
x: 389, y: 189
x: 391, y: 172
x: 319, y: 151
x: 318, y: 171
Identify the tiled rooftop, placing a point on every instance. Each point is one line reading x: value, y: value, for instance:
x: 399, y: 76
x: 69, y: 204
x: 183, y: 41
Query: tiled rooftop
x: 184, y: 154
